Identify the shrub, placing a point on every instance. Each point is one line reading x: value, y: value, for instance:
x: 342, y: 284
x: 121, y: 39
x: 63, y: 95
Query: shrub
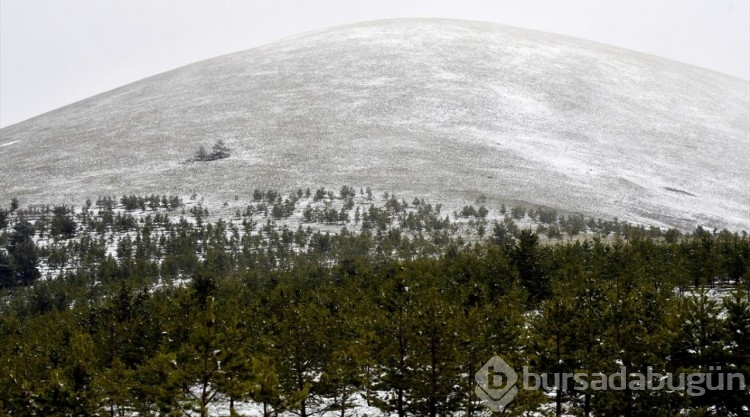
x: 218, y: 151
x: 518, y: 212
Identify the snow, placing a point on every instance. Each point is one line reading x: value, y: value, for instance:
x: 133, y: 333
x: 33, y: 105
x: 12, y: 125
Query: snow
x: 435, y: 108
x: 251, y: 409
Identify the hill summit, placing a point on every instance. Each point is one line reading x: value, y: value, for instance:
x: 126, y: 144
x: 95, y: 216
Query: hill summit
x: 440, y: 109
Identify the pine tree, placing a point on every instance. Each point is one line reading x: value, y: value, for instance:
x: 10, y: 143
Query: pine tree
x: 23, y: 253
x: 235, y: 374
x: 526, y: 259
x: 158, y: 386
x: 69, y: 390
x: 267, y: 388
x: 350, y: 335
x: 433, y: 361
x: 587, y: 324
x: 7, y: 274
x: 113, y: 385
x: 737, y: 328
x: 556, y: 343
x: 220, y: 150
x: 198, y: 360
x: 62, y: 223
x: 699, y: 343
x: 394, y: 333
x: 300, y: 341
x: 491, y: 325
x: 343, y: 375
x: 3, y: 218
x: 637, y: 335
x: 202, y: 154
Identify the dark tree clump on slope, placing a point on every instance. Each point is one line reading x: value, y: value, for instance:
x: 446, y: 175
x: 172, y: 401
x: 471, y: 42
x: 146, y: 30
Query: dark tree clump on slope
x: 218, y: 151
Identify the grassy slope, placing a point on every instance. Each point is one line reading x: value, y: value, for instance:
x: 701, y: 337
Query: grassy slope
x: 443, y: 109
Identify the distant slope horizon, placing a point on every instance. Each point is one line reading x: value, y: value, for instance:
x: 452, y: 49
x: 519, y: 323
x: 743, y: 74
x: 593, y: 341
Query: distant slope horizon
x: 134, y: 80
x: 421, y: 107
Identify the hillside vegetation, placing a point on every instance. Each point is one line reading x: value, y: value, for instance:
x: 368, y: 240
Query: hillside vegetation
x: 148, y: 307
x: 182, y: 246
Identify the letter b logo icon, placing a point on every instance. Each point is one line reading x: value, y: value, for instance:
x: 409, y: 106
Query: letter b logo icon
x: 496, y: 384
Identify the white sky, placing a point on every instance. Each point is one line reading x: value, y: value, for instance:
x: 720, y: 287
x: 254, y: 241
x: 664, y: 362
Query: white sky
x: 56, y: 52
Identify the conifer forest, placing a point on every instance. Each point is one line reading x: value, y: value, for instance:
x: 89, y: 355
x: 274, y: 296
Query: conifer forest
x: 348, y: 302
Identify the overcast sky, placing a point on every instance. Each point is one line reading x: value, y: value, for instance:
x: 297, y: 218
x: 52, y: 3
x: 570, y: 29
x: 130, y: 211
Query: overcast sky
x: 56, y: 52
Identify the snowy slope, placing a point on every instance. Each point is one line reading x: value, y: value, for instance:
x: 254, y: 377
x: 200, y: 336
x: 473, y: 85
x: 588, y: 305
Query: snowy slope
x: 438, y: 108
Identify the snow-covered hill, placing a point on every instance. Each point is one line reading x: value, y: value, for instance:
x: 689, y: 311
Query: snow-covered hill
x: 444, y: 109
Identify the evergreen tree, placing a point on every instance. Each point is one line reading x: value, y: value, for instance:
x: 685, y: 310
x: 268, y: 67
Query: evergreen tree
x: 62, y: 224
x: 23, y: 253
x: 7, y: 274
x: 220, y: 150
x: 737, y: 360
x: 394, y: 332
x: 235, y: 367
x: 198, y: 367
x: 3, y: 218
x: 113, y: 385
x: 699, y: 343
x: 637, y: 335
x: 69, y: 391
x: 588, y: 292
x: 555, y: 343
x: 350, y: 335
x: 201, y: 154
x: 267, y: 388
x: 300, y: 342
x: 525, y: 258
x: 158, y: 386
x: 343, y: 376
x: 434, y: 364
x: 701, y: 337
x: 500, y: 234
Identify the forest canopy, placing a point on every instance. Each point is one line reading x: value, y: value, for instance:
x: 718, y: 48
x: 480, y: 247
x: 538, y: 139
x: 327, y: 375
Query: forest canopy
x: 172, y: 317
